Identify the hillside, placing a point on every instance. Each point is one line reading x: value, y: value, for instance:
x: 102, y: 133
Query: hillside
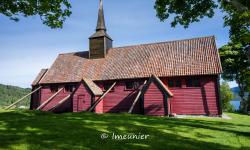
x: 24, y: 130
x: 236, y: 91
x: 9, y: 94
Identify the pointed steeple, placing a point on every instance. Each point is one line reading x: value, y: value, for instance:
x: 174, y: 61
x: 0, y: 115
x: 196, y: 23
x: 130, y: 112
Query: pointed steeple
x: 100, y: 42
x: 101, y: 20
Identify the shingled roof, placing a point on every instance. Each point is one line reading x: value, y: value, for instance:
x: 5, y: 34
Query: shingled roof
x: 93, y: 87
x: 39, y: 76
x: 198, y: 56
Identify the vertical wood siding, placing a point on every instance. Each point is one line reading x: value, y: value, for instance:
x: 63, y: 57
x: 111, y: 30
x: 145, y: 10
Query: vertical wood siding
x: 154, y: 101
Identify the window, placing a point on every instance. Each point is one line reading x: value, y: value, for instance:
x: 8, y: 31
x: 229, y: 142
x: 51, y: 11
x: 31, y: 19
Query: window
x: 69, y: 88
x: 53, y: 88
x: 170, y: 83
x: 196, y: 83
x: 129, y: 86
x: 189, y: 83
x: 178, y: 83
x: 106, y: 86
x: 193, y: 83
x: 174, y: 83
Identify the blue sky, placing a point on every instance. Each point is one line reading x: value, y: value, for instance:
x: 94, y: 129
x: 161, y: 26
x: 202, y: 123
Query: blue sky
x: 28, y: 46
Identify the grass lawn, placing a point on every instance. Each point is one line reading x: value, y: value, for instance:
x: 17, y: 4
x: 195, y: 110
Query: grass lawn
x: 43, y: 130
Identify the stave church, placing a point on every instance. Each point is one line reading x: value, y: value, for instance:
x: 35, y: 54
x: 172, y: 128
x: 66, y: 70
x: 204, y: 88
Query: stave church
x: 161, y: 79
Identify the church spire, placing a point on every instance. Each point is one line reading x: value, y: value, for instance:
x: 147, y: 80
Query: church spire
x: 101, y: 20
x: 100, y: 42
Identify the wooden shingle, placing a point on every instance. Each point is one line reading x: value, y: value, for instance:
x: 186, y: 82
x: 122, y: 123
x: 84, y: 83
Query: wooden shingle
x: 198, y: 56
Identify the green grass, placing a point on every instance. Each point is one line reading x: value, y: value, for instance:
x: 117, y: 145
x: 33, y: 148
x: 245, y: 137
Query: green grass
x: 42, y: 130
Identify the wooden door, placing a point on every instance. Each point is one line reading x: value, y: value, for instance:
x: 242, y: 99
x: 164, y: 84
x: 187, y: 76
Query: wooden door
x: 80, y: 103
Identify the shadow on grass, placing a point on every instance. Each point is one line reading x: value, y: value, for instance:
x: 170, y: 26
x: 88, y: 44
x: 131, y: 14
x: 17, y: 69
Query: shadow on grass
x: 42, y: 130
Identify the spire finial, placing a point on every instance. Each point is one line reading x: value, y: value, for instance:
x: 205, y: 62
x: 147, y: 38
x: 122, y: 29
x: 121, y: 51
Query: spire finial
x: 101, y: 21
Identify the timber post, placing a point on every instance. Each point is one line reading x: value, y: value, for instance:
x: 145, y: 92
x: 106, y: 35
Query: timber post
x: 59, y: 103
x: 137, y: 97
x: 48, y: 100
x: 101, y: 98
x: 8, y: 107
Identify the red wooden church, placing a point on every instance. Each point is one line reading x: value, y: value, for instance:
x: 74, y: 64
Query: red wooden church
x: 175, y: 77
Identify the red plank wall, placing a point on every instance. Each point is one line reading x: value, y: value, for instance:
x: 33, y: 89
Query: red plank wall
x: 81, y: 99
x: 119, y: 100
x: 99, y: 106
x: 46, y: 94
x: 35, y: 98
x: 196, y: 100
x: 154, y: 101
x: 186, y: 100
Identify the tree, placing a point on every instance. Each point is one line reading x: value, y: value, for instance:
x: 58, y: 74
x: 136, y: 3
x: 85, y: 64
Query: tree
x: 236, y: 67
x: 52, y: 12
x: 185, y: 12
x: 248, y: 101
x: 238, y: 19
x: 226, y: 96
x: 234, y: 55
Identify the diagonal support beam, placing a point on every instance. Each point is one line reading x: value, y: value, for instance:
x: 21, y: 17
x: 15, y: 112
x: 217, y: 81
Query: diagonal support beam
x: 101, y: 98
x: 61, y: 102
x: 18, y: 101
x: 47, y: 101
x: 137, y: 97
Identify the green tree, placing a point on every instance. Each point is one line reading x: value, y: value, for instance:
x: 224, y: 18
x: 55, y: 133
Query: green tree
x: 10, y: 94
x: 236, y: 68
x: 52, y: 12
x: 238, y: 19
x: 234, y: 55
x: 248, y: 101
x: 185, y: 12
x: 226, y: 96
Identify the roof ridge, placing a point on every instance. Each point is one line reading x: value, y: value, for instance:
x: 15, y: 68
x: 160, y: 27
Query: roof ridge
x: 73, y: 52
x: 195, y: 38
x: 197, y: 56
